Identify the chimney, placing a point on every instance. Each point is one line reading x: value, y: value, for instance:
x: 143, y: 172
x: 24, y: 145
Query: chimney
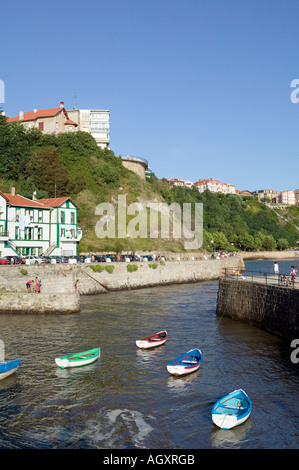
x: 61, y: 104
x: 34, y: 196
x: 21, y: 115
x: 13, y: 191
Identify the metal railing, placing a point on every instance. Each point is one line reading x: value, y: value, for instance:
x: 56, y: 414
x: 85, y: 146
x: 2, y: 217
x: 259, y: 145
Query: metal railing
x: 282, y: 280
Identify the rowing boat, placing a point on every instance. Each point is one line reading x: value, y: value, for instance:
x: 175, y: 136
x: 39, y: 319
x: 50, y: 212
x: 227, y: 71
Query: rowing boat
x: 78, y: 359
x: 186, y: 363
x: 9, y: 367
x: 152, y: 340
x: 231, y: 410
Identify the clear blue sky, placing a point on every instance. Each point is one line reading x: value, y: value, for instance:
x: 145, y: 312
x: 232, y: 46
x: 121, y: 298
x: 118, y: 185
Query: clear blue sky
x: 200, y: 88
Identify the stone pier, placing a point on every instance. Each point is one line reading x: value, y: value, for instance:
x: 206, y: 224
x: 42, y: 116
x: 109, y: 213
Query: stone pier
x: 58, y: 292
x: 271, y: 307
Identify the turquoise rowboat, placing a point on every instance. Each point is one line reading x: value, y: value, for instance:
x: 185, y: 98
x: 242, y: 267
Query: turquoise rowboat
x: 78, y: 359
x: 232, y: 410
x: 9, y: 367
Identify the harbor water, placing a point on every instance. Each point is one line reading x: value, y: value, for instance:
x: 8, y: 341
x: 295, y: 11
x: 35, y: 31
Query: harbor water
x: 127, y: 399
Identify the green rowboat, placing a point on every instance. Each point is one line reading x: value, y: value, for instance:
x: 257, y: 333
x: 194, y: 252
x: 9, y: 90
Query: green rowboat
x: 78, y: 359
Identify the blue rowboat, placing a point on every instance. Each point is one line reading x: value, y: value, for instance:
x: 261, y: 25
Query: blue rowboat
x: 9, y: 367
x: 231, y: 410
x: 152, y: 341
x: 186, y: 363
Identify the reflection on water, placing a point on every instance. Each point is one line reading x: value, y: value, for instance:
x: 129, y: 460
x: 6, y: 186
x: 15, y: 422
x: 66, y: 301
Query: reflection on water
x: 127, y: 399
x: 230, y: 438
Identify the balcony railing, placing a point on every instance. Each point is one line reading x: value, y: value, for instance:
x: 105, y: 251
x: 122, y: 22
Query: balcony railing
x: 135, y: 159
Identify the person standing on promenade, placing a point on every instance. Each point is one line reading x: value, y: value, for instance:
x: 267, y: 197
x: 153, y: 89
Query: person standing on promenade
x: 276, y: 268
x: 28, y: 285
x: 37, y: 286
x: 293, y: 275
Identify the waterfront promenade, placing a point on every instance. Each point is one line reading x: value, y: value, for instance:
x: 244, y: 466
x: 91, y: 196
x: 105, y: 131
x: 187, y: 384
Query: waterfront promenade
x: 58, y: 281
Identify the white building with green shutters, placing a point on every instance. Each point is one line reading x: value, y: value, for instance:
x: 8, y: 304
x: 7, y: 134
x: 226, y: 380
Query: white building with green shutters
x: 38, y: 227
x: 64, y: 233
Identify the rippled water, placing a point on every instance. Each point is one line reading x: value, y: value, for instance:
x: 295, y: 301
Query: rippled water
x: 127, y: 399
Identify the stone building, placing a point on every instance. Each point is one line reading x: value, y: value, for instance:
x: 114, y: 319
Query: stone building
x: 48, y: 121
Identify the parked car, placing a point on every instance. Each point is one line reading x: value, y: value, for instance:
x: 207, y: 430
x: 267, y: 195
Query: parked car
x: 79, y: 259
x: 4, y: 261
x: 34, y: 260
x: 15, y: 259
x: 100, y: 258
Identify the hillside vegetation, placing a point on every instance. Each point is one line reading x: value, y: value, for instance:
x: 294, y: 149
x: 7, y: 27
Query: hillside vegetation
x: 73, y: 165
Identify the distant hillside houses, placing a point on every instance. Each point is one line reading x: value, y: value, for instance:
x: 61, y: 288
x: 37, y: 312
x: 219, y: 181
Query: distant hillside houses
x: 285, y: 197
x: 203, y: 185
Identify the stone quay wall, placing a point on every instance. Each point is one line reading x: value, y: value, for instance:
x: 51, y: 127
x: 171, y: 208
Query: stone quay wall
x: 58, y: 292
x: 171, y: 272
x: 272, y: 308
x: 25, y: 303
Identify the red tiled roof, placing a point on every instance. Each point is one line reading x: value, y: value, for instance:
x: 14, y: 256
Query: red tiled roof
x: 40, y: 113
x: 210, y: 180
x: 70, y: 122
x: 56, y: 202
x: 23, y: 201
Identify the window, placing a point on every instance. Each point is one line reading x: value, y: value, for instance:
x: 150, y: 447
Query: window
x: 62, y: 232
x: 41, y: 126
x: 39, y: 233
x: 40, y: 216
x: 29, y: 233
x: 73, y: 219
x: 62, y: 217
x: 99, y: 126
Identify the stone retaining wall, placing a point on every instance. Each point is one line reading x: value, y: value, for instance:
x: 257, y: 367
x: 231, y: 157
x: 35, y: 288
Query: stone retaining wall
x: 58, y: 280
x: 272, y: 308
x: 39, y: 303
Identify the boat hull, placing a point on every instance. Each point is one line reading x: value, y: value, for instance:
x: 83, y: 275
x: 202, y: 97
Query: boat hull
x: 152, y: 341
x: 186, y: 363
x: 232, y: 410
x: 78, y: 360
x: 181, y: 370
x: 8, y: 368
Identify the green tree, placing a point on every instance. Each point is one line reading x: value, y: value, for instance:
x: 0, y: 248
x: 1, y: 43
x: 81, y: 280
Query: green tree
x: 14, y: 149
x: 48, y: 172
x: 282, y: 244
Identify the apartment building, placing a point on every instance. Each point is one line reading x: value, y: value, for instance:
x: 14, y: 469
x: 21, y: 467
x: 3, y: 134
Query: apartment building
x: 32, y: 227
x: 48, y: 121
x: 297, y: 196
x: 94, y: 121
x: 287, y: 198
x: 214, y: 186
x: 270, y: 194
x: 178, y: 182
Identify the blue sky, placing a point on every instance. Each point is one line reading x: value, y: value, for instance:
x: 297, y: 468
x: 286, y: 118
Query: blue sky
x: 200, y: 88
